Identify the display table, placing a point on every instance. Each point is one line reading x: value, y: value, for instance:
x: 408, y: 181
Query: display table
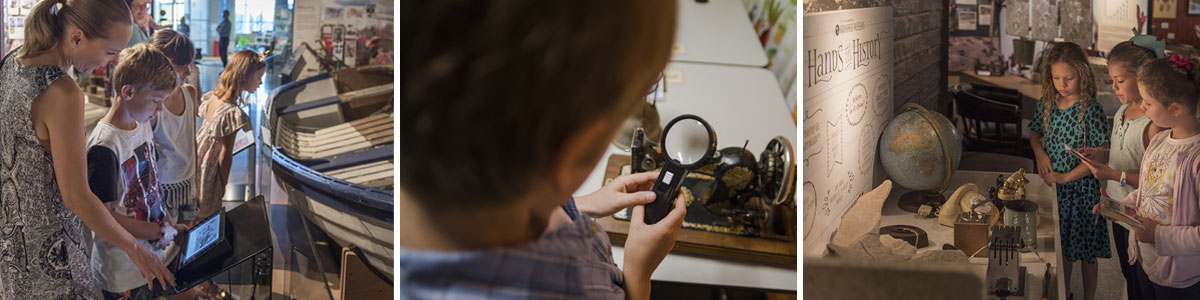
x: 717, y: 32
x: 741, y: 104
x: 1035, y: 262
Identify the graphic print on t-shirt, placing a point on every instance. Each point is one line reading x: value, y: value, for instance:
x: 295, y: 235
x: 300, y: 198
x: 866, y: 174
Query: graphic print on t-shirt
x: 1157, y: 198
x: 142, y: 197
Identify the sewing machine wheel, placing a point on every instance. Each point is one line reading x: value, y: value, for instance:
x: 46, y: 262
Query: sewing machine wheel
x: 777, y: 171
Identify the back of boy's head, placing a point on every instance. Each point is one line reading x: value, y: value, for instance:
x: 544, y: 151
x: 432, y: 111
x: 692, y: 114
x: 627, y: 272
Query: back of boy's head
x: 174, y: 45
x: 145, y: 68
x: 242, y: 65
x: 491, y: 90
x: 1130, y: 56
x: 44, y: 27
x: 1170, y: 80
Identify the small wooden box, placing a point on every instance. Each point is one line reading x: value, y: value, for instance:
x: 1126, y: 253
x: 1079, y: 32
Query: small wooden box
x: 971, y: 236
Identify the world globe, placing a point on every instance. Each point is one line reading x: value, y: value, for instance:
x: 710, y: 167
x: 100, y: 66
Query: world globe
x: 920, y: 149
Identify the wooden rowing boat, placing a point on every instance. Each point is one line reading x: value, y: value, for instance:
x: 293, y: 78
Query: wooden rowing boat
x: 331, y: 141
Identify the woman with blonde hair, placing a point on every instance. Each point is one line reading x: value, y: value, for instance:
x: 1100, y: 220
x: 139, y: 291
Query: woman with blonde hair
x: 43, y: 190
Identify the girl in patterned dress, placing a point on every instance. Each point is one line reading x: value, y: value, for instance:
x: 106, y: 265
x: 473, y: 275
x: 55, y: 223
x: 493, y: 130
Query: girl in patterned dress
x: 1070, y: 116
x: 1166, y: 250
x: 223, y: 118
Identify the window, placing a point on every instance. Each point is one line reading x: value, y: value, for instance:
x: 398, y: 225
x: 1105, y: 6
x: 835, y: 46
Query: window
x: 254, y: 16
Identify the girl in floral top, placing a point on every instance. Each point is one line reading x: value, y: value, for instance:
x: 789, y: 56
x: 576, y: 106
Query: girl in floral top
x: 223, y: 118
x: 1166, y: 250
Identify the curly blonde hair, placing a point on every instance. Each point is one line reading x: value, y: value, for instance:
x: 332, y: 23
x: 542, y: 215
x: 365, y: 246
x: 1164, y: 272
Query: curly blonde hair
x: 1070, y: 54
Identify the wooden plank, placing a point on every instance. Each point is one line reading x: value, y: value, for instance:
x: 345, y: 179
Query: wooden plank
x: 715, y: 244
x: 291, y: 130
x: 369, y: 174
x: 358, y: 282
x: 382, y: 183
x: 367, y: 92
x: 325, y: 132
x: 380, y: 174
x: 375, y: 139
x: 372, y: 141
x: 345, y: 139
x: 349, y: 172
x: 359, y: 145
x: 354, y: 123
x: 334, y: 173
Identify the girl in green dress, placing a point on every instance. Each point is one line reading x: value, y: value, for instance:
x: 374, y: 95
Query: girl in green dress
x: 1069, y: 115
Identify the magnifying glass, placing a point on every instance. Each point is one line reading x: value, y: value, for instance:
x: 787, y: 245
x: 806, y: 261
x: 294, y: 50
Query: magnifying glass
x: 688, y: 142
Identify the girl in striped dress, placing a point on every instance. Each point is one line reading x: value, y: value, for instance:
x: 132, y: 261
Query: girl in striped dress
x: 223, y: 118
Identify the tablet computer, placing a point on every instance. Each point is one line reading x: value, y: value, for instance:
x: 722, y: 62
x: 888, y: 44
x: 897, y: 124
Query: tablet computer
x: 205, y: 242
x: 1076, y: 153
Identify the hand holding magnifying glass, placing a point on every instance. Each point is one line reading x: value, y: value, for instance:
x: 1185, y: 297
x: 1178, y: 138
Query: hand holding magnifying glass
x: 688, y: 142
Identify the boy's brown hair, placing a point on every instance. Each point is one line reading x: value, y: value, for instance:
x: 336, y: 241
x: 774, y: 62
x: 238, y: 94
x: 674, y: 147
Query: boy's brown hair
x: 490, y: 90
x: 44, y: 28
x: 174, y: 45
x: 144, y: 67
x: 242, y: 64
x: 1171, y: 80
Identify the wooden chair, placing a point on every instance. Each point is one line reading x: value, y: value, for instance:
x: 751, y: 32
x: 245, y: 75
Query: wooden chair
x: 995, y: 93
x: 990, y: 123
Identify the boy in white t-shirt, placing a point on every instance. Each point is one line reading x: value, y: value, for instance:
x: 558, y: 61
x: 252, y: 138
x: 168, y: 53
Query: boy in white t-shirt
x: 121, y: 163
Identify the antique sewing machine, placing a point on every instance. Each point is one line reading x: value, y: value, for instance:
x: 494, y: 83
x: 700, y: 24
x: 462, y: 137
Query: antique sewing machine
x: 733, y: 193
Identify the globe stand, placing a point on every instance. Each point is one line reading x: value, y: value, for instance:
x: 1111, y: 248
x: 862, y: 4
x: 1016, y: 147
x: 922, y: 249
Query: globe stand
x: 912, y: 201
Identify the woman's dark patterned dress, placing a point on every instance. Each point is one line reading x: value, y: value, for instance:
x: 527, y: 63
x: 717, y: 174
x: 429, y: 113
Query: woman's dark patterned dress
x: 42, y: 249
x: 1082, y: 238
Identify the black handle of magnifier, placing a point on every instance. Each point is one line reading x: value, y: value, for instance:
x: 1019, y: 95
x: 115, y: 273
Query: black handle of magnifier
x: 665, y: 189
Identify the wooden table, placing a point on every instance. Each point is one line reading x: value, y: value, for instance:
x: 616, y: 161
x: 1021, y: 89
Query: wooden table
x: 741, y: 104
x: 1035, y: 262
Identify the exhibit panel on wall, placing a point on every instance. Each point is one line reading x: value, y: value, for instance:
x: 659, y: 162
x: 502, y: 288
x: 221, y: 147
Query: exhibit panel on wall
x: 848, y: 74
x: 1116, y: 20
x: 350, y: 33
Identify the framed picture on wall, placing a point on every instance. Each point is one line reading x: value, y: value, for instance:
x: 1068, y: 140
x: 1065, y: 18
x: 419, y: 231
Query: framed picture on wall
x: 1164, y: 9
x: 985, y: 14
x: 967, y: 19
x: 1193, y: 8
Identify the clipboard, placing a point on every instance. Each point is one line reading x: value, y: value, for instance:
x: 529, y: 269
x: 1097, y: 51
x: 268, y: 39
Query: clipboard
x: 242, y: 141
